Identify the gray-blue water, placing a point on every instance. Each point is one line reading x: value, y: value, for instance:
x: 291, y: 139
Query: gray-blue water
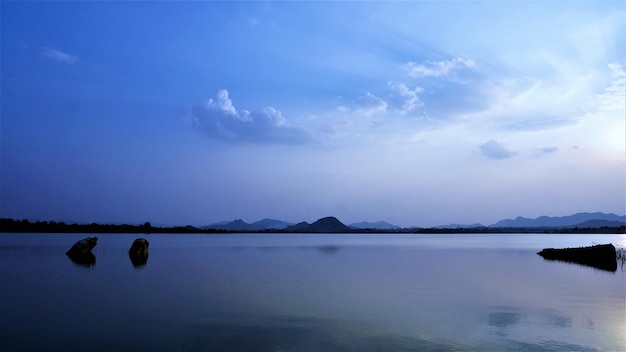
x: 274, y: 292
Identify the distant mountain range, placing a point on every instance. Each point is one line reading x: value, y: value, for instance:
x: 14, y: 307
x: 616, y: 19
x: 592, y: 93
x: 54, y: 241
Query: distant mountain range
x: 240, y: 225
x: 577, y: 223
x: 459, y: 226
x: 579, y: 219
x: 331, y: 224
x: 379, y: 225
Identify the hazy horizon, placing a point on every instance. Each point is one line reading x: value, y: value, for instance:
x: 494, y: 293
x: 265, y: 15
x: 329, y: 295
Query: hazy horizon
x: 414, y: 113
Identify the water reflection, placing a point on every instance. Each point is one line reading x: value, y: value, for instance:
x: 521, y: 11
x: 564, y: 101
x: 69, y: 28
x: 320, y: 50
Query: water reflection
x: 309, y: 334
x: 138, y: 260
x: 503, y: 320
x: 84, y: 259
x: 302, y: 292
x: 606, y: 265
x: 329, y: 249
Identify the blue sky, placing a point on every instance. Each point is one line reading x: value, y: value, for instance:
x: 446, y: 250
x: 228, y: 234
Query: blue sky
x: 416, y: 113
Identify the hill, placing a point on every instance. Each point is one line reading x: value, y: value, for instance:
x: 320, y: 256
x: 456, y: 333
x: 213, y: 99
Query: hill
x: 379, y: 225
x: 460, y: 226
x: 324, y: 225
x: 240, y: 225
x: 559, y: 221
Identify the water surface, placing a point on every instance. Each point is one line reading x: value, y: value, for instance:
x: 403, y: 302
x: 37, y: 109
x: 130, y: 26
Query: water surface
x: 272, y: 292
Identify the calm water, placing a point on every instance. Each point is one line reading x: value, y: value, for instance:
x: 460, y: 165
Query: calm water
x: 309, y: 292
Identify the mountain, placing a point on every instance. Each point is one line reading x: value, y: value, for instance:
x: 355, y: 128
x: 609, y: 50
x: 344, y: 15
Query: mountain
x: 379, y: 225
x: 598, y: 223
x: 267, y: 224
x: 324, y: 225
x: 559, y: 221
x: 240, y: 225
x: 460, y: 226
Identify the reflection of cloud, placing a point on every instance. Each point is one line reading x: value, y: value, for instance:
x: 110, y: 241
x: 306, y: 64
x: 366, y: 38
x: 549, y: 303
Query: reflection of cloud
x: 59, y: 56
x: 503, y: 320
x: 219, y: 119
x: 562, y: 321
x: 496, y: 150
x: 300, y: 333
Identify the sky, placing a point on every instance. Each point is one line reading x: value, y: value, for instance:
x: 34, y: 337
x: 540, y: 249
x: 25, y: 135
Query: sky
x: 416, y: 113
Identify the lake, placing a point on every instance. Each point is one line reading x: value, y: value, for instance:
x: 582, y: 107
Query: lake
x: 309, y: 292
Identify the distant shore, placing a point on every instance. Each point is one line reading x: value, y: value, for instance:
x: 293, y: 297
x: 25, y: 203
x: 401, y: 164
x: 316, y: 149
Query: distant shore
x: 25, y: 226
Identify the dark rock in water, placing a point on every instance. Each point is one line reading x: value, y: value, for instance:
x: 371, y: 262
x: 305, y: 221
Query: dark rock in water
x: 601, y: 256
x: 138, y: 252
x: 83, y: 246
x: 80, y: 253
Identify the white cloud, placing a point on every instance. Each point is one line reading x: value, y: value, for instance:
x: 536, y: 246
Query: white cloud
x: 410, y: 97
x: 223, y: 104
x: 219, y: 119
x: 438, y: 68
x: 564, y: 95
x: 496, y: 150
x: 369, y: 104
x: 59, y: 56
x: 613, y: 98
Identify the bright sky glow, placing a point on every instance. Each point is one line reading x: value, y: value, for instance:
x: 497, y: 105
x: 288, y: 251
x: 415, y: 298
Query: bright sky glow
x: 416, y: 113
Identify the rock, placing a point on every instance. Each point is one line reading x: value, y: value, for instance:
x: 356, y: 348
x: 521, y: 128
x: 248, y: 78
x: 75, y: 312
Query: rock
x: 602, y: 256
x: 138, y: 252
x: 80, y: 253
x: 83, y: 246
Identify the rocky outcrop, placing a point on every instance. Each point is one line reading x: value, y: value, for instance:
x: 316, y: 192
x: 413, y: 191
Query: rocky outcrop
x: 602, y: 256
x: 81, y: 254
x: 138, y: 252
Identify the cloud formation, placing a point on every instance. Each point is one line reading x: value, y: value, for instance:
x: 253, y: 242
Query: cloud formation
x: 365, y: 105
x: 410, y: 98
x: 438, y: 68
x: 58, y: 56
x: 369, y: 104
x: 495, y: 150
x: 219, y: 119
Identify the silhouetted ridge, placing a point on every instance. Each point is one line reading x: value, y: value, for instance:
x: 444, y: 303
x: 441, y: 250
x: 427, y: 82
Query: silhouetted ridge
x: 240, y: 225
x: 558, y: 221
x: 379, y: 225
x: 329, y: 224
x: 324, y: 225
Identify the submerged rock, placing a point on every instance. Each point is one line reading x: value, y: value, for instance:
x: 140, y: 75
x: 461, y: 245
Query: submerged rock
x: 80, y: 253
x: 138, y: 252
x: 602, y: 256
